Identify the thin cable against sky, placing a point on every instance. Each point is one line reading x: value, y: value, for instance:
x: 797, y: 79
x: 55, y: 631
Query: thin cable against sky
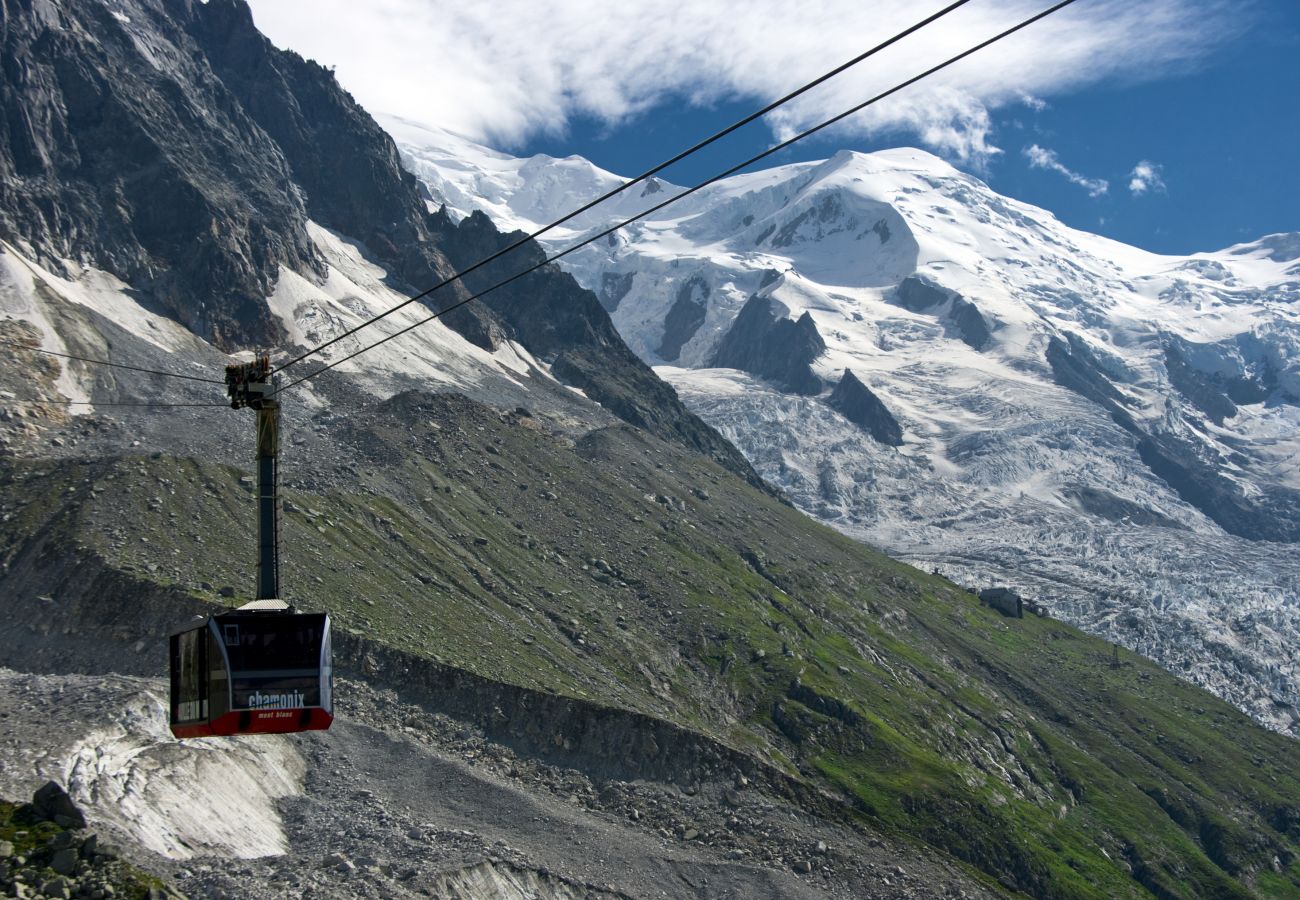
x: 637, y: 180
x: 691, y: 190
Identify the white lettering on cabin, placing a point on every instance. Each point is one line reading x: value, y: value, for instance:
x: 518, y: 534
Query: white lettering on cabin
x: 290, y: 700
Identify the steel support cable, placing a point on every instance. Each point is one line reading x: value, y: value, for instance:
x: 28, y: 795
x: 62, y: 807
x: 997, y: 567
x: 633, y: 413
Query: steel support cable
x: 635, y: 181
x: 142, y: 403
x: 703, y: 184
x: 104, y: 362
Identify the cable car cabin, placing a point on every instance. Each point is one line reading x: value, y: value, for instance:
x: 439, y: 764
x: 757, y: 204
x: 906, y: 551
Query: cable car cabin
x: 252, y: 672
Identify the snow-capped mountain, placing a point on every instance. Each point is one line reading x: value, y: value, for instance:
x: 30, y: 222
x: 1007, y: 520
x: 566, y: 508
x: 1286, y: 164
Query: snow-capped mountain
x: 965, y: 381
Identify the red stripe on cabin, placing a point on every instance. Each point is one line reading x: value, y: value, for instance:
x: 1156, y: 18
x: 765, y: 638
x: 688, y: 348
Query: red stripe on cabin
x: 260, y: 721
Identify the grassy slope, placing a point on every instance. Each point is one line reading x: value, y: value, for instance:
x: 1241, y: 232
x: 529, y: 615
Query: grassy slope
x: 625, y: 571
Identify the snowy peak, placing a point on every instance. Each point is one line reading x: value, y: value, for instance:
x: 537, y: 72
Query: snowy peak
x: 516, y: 193
x: 1022, y: 397
x: 845, y: 233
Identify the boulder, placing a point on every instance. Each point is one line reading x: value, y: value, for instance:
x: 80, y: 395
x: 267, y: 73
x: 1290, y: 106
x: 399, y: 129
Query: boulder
x: 52, y: 803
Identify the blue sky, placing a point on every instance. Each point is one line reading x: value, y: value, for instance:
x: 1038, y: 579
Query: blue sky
x: 1205, y: 93
x: 1224, y: 138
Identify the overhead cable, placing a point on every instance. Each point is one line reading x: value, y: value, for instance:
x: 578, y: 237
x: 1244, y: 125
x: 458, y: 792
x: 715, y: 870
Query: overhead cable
x: 104, y: 362
x: 637, y: 180
x: 687, y: 192
x: 141, y: 403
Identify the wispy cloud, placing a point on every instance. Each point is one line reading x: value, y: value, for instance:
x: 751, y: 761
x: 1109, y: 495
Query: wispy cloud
x: 1042, y: 158
x: 1037, y: 104
x: 504, y: 70
x: 1145, y: 177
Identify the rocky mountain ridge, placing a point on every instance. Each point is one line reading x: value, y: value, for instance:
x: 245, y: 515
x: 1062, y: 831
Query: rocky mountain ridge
x: 171, y: 145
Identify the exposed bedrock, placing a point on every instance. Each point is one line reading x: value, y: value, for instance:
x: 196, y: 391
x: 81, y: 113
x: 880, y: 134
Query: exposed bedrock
x: 614, y: 286
x: 919, y: 294
x: 763, y: 342
x: 684, y: 318
x: 970, y: 322
x: 857, y: 403
x: 98, y: 165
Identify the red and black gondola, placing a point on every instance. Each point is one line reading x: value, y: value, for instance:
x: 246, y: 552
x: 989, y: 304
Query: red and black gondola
x: 251, y: 671
x: 262, y: 668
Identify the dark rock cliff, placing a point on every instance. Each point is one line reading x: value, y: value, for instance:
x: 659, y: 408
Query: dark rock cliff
x: 345, y: 165
x: 773, y: 347
x: 142, y: 162
x: 971, y: 325
x: 857, y: 403
x: 919, y: 294
x: 170, y: 143
x: 684, y: 318
x: 614, y: 286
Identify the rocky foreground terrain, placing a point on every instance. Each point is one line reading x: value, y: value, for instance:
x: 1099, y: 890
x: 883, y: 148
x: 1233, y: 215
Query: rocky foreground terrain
x: 668, y: 660
x: 398, y: 801
x: 47, y: 851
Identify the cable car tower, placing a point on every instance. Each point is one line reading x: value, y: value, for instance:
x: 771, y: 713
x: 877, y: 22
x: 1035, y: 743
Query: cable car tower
x: 263, y: 668
x: 250, y: 385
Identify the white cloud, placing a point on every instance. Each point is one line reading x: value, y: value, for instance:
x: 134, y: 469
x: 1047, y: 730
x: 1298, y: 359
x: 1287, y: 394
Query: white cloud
x: 1145, y: 177
x: 1037, y: 104
x: 1042, y: 158
x: 504, y: 70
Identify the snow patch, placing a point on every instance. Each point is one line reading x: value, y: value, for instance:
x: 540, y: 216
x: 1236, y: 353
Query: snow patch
x: 353, y: 291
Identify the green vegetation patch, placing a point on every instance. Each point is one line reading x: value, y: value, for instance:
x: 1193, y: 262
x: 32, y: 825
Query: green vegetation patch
x: 32, y: 849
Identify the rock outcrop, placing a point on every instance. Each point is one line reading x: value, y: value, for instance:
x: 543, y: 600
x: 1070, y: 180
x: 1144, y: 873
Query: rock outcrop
x: 143, y: 163
x: 857, y: 403
x: 921, y: 295
x: 769, y: 345
x: 684, y: 318
x: 614, y: 287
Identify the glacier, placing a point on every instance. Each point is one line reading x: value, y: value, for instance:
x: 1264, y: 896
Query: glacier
x: 1112, y: 432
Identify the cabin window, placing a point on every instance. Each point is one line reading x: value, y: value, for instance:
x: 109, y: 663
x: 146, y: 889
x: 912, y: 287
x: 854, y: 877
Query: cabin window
x: 276, y: 663
x: 219, y: 684
x: 190, y: 686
